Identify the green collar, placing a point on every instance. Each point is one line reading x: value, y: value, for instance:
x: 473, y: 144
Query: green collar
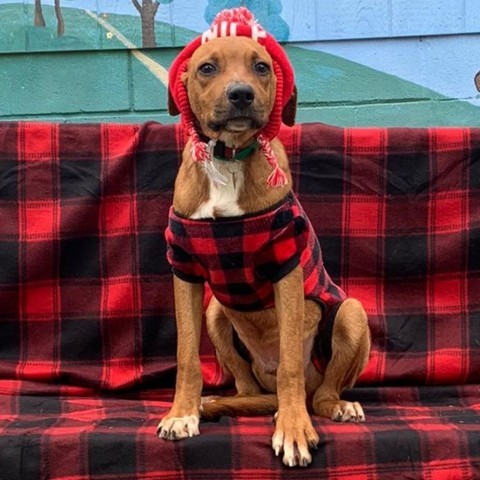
x: 222, y: 152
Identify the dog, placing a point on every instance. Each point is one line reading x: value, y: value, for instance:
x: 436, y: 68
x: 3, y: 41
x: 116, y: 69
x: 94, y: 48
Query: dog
x: 236, y: 224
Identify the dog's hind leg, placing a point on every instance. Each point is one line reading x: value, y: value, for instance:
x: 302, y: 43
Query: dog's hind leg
x: 350, y: 352
x: 220, y: 331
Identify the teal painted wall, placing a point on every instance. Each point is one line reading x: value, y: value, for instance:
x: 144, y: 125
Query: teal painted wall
x: 357, y: 62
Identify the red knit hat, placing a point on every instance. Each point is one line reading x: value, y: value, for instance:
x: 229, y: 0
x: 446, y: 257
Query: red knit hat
x: 232, y: 23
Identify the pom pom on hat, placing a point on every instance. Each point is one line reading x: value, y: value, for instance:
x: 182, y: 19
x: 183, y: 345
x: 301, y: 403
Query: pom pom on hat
x: 236, y: 22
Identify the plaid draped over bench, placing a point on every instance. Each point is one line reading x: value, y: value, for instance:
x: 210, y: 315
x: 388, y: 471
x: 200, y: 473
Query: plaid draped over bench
x: 87, y: 331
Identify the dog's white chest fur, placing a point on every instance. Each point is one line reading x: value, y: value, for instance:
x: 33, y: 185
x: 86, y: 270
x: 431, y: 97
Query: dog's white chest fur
x: 223, y: 199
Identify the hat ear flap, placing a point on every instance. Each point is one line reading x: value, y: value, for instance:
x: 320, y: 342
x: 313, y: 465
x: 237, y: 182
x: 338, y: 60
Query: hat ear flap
x: 177, y: 97
x: 290, y: 109
x: 172, y: 106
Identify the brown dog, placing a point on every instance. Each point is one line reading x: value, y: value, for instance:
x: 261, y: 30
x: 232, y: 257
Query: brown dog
x: 231, y: 87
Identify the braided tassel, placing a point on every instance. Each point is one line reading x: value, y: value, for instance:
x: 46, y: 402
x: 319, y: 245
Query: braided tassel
x: 277, y: 178
x: 200, y: 151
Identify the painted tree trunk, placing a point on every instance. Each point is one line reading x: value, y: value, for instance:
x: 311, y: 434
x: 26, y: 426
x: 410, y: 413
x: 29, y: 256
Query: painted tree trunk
x: 38, y: 20
x: 148, y: 30
x: 60, y: 22
x: 147, y: 11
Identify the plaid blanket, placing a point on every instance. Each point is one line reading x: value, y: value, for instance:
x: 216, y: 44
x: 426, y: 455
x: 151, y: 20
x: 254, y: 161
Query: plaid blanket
x: 87, y: 334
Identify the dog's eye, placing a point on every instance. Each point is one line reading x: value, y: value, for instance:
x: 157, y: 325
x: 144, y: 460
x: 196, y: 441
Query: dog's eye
x: 207, y: 69
x: 262, y: 68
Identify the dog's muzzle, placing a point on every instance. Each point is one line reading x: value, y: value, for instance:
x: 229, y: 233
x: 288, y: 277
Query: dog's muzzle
x: 240, y: 113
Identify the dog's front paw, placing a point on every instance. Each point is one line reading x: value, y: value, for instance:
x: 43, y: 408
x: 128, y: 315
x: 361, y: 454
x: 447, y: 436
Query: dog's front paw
x: 294, y: 435
x: 340, y: 410
x: 176, y: 428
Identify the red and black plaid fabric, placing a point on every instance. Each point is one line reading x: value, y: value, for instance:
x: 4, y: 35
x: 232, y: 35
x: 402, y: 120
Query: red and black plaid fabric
x: 242, y: 257
x: 411, y: 433
x: 87, y: 332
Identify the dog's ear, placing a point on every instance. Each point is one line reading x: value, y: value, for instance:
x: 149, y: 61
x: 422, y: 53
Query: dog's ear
x: 290, y: 109
x: 172, y: 106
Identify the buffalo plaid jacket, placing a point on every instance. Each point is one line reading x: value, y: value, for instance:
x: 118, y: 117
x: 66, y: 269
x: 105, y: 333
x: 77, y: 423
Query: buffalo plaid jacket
x: 241, y: 257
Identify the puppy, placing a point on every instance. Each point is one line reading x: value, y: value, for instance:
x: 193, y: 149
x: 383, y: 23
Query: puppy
x: 236, y: 225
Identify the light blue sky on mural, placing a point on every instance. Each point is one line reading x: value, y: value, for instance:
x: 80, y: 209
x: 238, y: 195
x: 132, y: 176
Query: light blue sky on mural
x: 321, y: 19
x: 445, y: 64
x: 177, y: 13
x: 311, y: 20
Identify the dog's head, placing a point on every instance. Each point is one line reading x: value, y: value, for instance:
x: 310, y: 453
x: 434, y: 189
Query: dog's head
x: 234, y: 79
x: 231, y: 87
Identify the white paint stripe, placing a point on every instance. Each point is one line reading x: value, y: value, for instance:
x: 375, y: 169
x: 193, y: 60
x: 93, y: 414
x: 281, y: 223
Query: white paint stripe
x: 160, y: 72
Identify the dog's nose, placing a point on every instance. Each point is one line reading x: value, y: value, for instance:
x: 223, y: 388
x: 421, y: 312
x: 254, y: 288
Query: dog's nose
x: 241, y: 96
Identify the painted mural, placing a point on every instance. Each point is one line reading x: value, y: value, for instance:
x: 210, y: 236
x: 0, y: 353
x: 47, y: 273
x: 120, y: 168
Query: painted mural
x: 354, y: 53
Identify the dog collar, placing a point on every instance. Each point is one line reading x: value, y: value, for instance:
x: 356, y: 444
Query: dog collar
x: 222, y: 152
